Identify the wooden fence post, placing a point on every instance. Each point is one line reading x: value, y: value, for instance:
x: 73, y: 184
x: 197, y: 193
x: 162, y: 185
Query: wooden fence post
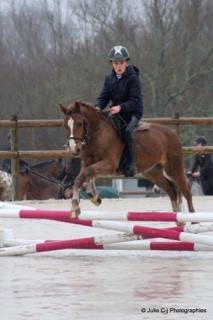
x: 14, y: 162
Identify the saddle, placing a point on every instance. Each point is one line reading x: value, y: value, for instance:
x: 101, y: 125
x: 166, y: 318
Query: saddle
x: 142, y: 125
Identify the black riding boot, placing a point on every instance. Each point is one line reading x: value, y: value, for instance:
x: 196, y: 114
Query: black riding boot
x: 130, y: 169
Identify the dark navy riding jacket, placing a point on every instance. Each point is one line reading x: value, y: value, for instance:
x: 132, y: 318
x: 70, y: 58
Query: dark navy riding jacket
x: 204, y: 163
x: 125, y: 92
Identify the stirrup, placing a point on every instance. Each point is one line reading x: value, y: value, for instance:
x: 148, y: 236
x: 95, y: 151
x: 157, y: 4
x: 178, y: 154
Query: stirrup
x: 130, y: 171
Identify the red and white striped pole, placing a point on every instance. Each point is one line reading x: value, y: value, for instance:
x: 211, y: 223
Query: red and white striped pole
x: 156, y: 232
x: 83, y: 243
x: 100, y: 241
x: 142, y: 245
x: 147, y: 245
x: 66, y: 215
x: 148, y: 216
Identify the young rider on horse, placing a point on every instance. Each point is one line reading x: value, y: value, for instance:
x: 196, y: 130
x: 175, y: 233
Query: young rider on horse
x: 122, y: 87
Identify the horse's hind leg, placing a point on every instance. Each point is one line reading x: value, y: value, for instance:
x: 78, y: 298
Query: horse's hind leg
x: 180, y: 180
x: 184, y: 187
x: 156, y: 176
x: 179, y: 196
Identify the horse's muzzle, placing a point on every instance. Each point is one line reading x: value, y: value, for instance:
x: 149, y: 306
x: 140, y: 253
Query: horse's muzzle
x: 77, y: 152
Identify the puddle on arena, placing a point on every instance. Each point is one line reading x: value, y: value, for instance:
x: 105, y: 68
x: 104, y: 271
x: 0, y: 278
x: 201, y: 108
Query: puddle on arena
x: 106, y: 287
x: 103, y: 284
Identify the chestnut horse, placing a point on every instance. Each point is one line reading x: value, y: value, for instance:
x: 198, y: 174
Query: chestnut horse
x: 158, y: 153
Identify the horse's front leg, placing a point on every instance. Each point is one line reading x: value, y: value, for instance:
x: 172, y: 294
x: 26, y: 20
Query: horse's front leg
x: 87, y: 174
x: 92, y: 194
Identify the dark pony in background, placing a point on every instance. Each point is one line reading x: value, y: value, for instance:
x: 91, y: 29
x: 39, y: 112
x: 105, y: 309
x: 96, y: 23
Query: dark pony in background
x: 40, y: 187
x: 49, y: 168
x: 40, y: 181
x: 44, y: 180
x: 158, y: 153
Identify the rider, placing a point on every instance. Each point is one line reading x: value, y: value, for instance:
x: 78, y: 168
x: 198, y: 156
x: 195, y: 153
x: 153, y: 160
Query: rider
x: 203, y: 168
x: 123, y: 89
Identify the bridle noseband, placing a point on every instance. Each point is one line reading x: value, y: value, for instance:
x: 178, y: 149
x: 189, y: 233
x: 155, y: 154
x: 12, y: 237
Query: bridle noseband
x: 85, y: 137
x: 82, y: 140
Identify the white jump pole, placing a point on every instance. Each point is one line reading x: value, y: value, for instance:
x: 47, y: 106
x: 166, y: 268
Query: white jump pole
x: 66, y: 215
x: 156, y: 232
x: 141, y: 245
x: 147, y: 245
x: 83, y: 243
x: 4, y: 205
x: 148, y: 216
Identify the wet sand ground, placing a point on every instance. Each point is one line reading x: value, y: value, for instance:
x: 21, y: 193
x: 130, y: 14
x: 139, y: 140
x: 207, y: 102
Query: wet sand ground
x: 83, y: 284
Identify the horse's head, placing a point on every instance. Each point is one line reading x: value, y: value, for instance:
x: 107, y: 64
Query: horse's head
x: 76, y: 126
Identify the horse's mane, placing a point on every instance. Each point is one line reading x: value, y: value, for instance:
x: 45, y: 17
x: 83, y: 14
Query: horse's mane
x: 87, y: 105
x: 90, y: 108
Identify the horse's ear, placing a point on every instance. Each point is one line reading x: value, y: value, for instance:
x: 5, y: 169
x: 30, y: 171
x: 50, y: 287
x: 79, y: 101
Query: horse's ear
x: 63, y: 109
x: 78, y: 106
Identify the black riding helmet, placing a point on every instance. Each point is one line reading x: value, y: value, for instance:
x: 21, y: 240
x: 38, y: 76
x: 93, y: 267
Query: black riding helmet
x: 118, y: 53
x: 201, y: 140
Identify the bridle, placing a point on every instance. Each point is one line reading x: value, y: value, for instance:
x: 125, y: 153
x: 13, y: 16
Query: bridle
x: 82, y: 140
x: 85, y: 138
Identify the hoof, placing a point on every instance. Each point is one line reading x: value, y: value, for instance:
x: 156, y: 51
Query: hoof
x: 75, y: 213
x: 96, y: 200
